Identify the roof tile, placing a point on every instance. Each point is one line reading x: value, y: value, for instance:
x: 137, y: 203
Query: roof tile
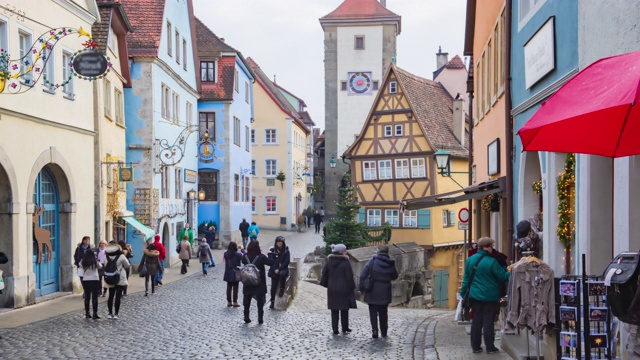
x: 146, y: 17
x: 455, y: 63
x: 359, y: 9
x: 222, y: 89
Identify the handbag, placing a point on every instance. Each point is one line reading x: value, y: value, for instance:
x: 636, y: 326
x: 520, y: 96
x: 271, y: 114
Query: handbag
x: 367, y: 283
x: 142, y: 271
x: 466, y: 301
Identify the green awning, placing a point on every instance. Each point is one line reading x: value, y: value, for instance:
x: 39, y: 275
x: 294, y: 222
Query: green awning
x: 144, y: 229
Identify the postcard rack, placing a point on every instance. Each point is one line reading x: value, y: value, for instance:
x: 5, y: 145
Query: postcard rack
x: 583, y: 321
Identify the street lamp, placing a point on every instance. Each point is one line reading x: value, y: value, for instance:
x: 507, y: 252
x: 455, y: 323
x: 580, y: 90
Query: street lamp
x: 201, y: 195
x: 443, y: 158
x: 332, y: 162
x: 191, y: 194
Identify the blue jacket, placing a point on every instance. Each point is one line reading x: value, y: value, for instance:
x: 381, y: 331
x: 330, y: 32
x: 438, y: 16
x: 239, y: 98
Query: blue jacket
x: 250, y: 230
x: 383, y: 271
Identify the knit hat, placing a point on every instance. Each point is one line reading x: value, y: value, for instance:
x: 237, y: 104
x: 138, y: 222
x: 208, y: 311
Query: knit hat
x: 338, y: 249
x: 485, y: 241
x: 383, y: 249
x: 156, y: 238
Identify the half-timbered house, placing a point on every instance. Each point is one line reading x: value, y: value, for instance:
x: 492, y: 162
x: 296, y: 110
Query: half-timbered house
x: 391, y: 161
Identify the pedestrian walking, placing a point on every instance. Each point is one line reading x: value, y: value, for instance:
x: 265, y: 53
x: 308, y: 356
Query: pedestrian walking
x: 244, y: 231
x: 482, y: 277
x: 186, y: 230
x: 232, y: 259
x: 259, y: 292
x: 91, y: 282
x: 304, y: 215
x: 337, y: 277
x: 204, y: 255
x: 310, y: 213
x: 102, y: 259
x: 210, y: 235
x: 382, y: 270
x: 78, y: 255
x: 317, y: 220
x: 163, y: 255
x: 254, y: 230
x: 322, y: 213
x: 279, y: 271
x: 115, y: 267
x: 128, y: 253
x: 184, y: 254
x: 151, y: 262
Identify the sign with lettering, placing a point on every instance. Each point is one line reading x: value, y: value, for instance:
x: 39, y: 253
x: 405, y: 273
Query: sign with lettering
x: 539, y: 54
x: 90, y: 64
x: 125, y: 174
x: 190, y: 176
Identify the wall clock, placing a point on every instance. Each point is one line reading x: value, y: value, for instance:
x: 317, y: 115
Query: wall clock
x: 359, y: 83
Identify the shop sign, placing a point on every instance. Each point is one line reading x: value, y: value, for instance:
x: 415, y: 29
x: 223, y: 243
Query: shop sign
x: 190, y: 176
x: 90, y: 64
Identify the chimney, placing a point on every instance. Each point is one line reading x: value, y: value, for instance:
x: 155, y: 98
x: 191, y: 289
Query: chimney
x: 459, y: 119
x: 441, y: 58
x: 383, y: 2
x: 222, y: 39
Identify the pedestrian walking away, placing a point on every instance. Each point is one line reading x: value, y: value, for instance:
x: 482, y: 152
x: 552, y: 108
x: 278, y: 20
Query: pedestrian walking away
x: 317, y: 220
x: 337, y: 277
x: 210, y: 235
x: 232, y: 259
x: 254, y: 230
x: 381, y: 270
x: 128, y: 253
x: 279, y: 272
x: 163, y: 255
x: 102, y: 259
x: 204, y: 255
x: 482, y: 278
x: 184, y: 254
x: 244, y: 231
x: 151, y: 262
x: 259, y: 292
x: 91, y: 283
x: 114, y: 270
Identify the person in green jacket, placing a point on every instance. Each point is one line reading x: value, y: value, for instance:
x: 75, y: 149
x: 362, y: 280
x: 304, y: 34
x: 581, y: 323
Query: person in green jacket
x: 484, y: 293
x: 186, y: 230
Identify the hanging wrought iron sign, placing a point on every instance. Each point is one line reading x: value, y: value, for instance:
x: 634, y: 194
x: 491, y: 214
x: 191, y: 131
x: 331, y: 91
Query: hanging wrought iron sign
x: 90, y: 63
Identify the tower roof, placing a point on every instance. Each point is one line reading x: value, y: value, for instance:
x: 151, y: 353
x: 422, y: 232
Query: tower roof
x: 361, y: 11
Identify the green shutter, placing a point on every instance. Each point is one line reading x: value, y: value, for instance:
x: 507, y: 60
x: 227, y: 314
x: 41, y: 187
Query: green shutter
x: 452, y: 218
x: 424, y: 219
x: 362, y: 215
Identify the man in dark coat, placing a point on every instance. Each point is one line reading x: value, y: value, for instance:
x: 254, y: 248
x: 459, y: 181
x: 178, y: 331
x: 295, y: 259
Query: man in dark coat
x: 337, y: 277
x: 244, y: 231
x: 258, y: 291
x: 280, y: 269
x: 382, y: 269
x: 317, y: 220
x: 210, y: 235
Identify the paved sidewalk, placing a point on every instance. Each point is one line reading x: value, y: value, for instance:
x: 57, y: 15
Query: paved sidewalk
x: 452, y: 342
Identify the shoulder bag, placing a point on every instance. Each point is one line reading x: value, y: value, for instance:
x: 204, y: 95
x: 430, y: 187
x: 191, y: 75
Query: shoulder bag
x: 466, y: 302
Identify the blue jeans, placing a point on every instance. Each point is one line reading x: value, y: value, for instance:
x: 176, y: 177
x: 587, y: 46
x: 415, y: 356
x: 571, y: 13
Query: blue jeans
x: 159, y: 274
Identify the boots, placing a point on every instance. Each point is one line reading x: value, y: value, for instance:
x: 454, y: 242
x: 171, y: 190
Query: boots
x: 87, y: 315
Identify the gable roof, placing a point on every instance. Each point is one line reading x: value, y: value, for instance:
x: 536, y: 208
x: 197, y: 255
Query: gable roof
x: 209, y: 44
x: 454, y: 64
x: 146, y: 18
x: 113, y: 16
x: 361, y: 11
x: 290, y: 93
x: 275, y: 94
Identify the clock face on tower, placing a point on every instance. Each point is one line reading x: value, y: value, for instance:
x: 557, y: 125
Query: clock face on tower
x: 359, y: 83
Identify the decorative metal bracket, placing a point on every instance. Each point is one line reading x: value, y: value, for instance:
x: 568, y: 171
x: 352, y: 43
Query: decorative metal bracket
x: 170, y: 155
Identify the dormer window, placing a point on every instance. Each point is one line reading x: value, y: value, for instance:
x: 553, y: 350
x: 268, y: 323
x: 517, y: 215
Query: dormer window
x: 208, y: 71
x: 393, y: 87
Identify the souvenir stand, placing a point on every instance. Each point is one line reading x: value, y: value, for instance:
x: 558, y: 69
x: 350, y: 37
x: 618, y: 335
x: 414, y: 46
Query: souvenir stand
x: 583, y: 322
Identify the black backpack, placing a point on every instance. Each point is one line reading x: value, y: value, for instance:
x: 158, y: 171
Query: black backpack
x: 111, y: 272
x: 621, y: 278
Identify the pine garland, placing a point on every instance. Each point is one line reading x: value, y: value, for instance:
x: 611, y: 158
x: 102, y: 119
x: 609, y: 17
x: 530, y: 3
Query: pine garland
x: 566, y: 192
x: 384, y: 236
x: 537, y: 187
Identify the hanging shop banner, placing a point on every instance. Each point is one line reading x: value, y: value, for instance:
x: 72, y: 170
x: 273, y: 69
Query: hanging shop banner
x: 90, y: 63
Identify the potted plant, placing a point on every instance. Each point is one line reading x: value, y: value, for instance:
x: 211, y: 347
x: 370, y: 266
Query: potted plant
x: 281, y: 177
x: 491, y: 203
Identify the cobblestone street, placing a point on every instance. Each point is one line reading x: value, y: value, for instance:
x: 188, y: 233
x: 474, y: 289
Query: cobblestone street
x: 189, y: 319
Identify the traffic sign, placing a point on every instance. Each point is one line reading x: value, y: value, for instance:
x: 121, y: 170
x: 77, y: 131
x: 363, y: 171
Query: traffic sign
x: 463, y: 225
x: 463, y: 215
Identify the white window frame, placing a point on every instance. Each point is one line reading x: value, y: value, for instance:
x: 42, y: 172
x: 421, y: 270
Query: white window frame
x: 394, y: 216
x: 385, y: 171
x: 254, y: 163
x: 410, y: 219
x: 374, y: 217
x: 534, y: 6
x: 236, y: 131
x: 119, y: 108
x: 184, y: 53
x: 388, y: 131
x: 237, y: 188
x: 266, y: 204
x: 4, y: 33
x: 25, y: 42
x: 247, y: 140
x: 178, y: 182
x: 270, y: 168
x: 235, y: 80
x: 175, y: 115
x: 177, y: 36
x: 111, y: 44
x: 398, y: 130
x: 369, y: 170
x: 402, y: 169
x: 67, y: 89
x: 418, y: 168
x: 169, y: 39
x: 107, y: 97
x: 445, y: 218
x: 270, y: 140
x: 165, y: 102
x: 164, y: 178
x: 189, y: 113
x: 49, y: 68
x: 393, y: 87
x: 254, y: 204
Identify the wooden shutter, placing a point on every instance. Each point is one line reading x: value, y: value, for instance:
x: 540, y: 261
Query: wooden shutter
x: 362, y: 214
x: 424, y: 219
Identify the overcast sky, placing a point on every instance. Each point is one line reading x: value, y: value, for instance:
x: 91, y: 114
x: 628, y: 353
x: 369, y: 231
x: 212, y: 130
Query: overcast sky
x: 285, y: 38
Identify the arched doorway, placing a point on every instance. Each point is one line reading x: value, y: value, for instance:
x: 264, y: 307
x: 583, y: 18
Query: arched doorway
x: 166, y: 237
x: 46, y: 222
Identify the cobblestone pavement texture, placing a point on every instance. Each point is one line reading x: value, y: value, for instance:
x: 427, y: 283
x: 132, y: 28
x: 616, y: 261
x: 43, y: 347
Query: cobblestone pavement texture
x: 189, y: 319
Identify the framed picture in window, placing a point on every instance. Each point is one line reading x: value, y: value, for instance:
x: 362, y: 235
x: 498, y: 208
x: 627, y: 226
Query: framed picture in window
x: 493, y: 157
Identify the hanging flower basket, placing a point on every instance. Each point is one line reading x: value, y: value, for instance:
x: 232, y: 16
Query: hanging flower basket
x: 491, y: 203
x: 537, y: 187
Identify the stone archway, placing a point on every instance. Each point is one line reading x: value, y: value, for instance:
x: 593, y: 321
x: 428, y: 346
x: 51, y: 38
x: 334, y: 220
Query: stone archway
x: 530, y: 203
x: 9, y: 232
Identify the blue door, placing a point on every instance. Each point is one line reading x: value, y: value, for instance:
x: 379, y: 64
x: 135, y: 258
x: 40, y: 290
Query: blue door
x: 47, y: 271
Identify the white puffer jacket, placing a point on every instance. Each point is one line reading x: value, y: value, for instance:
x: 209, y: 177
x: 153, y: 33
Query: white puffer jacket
x: 122, y: 263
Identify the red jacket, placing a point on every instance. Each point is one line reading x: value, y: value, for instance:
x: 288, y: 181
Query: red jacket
x: 160, y: 248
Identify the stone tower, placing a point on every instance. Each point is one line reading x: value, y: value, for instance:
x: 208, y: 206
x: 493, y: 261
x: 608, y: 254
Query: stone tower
x: 359, y: 44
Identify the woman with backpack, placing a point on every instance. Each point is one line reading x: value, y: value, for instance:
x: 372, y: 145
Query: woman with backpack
x: 151, y: 262
x: 91, y: 282
x: 115, y: 276
x: 337, y: 277
x: 184, y: 253
x: 205, y: 256
x: 255, y: 258
x: 232, y: 260
x: 254, y: 230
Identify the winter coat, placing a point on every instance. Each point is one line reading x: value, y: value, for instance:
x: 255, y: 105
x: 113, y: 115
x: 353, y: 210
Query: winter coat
x: 317, y: 218
x: 204, y: 253
x: 261, y: 288
x: 91, y: 273
x: 244, y: 229
x: 532, y: 298
x: 210, y: 236
x: 232, y: 259
x: 188, y: 232
x: 151, y: 260
x: 122, y: 263
x: 161, y: 250
x: 185, y: 250
x: 488, y: 277
x: 337, y: 277
x: 250, y: 230
x: 281, y: 260
x: 79, y: 253
x: 383, y: 271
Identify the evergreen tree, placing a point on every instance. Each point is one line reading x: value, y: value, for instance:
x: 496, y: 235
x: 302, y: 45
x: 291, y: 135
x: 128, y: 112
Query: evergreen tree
x: 344, y: 229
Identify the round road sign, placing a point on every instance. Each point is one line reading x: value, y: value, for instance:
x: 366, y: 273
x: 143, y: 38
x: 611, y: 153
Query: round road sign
x: 463, y: 215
